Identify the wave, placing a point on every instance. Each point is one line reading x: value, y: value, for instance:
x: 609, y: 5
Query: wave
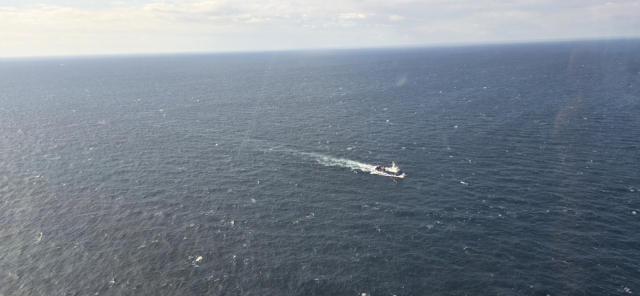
x: 346, y: 163
x: 320, y: 158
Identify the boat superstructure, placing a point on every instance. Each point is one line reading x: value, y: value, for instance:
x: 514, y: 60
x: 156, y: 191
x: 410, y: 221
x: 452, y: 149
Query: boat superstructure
x: 392, y: 171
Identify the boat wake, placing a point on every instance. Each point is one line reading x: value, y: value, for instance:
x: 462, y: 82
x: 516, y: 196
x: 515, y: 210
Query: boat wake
x: 347, y: 163
x: 324, y: 159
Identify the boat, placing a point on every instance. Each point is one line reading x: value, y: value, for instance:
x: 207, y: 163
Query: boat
x: 392, y: 171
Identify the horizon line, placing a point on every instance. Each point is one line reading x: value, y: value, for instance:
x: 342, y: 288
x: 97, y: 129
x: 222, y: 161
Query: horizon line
x: 347, y: 48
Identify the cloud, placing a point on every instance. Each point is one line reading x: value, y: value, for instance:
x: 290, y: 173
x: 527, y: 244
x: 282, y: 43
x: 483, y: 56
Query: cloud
x: 352, y: 15
x: 213, y: 25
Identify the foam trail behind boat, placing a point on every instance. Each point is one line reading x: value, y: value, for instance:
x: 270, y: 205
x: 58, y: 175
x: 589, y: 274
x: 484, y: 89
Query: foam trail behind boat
x: 332, y: 161
x: 341, y: 162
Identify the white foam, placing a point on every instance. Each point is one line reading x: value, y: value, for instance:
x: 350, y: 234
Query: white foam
x: 346, y: 163
x: 340, y: 162
x: 196, y: 260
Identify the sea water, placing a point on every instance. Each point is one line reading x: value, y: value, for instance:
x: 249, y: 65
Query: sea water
x: 251, y: 173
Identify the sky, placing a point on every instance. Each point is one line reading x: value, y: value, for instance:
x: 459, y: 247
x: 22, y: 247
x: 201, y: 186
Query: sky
x: 90, y: 27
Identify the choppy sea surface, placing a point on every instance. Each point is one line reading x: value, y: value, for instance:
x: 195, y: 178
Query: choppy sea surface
x: 251, y: 173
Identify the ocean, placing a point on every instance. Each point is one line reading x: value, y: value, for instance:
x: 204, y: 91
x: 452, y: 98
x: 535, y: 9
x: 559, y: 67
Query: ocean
x: 253, y: 173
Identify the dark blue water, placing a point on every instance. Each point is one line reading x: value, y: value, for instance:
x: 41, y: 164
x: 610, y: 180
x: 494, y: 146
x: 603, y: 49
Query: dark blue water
x: 250, y: 174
